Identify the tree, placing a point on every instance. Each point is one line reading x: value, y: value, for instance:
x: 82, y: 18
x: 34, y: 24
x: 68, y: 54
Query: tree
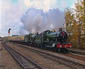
x: 68, y: 19
x: 75, y: 23
x: 80, y: 16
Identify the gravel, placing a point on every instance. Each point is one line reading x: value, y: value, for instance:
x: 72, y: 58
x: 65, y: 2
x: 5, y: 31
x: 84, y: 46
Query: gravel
x: 45, y: 63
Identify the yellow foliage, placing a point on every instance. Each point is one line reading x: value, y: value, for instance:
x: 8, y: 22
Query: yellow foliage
x: 75, y: 25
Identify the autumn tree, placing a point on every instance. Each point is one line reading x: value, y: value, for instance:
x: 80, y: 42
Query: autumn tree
x: 80, y: 18
x: 75, y: 23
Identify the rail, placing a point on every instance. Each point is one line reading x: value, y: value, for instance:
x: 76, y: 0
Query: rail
x: 23, y: 61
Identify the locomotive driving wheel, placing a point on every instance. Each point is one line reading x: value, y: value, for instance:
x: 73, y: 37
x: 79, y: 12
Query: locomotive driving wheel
x: 64, y: 50
x: 58, y: 50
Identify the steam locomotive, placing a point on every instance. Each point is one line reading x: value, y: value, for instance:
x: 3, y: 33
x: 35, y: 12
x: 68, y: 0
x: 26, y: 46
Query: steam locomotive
x: 49, y: 39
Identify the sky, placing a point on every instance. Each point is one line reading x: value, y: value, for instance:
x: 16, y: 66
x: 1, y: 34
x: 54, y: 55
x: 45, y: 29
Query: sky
x: 11, y: 12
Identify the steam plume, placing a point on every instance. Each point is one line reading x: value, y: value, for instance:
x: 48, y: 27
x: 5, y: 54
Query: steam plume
x: 35, y: 20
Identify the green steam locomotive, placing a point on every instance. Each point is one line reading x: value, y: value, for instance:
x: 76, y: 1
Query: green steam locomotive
x: 49, y: 39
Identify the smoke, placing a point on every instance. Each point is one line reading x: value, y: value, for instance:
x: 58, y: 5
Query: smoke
x: 35, y: 20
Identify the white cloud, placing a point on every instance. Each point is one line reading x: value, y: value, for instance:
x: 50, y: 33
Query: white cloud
x: 40, y: 4
x: 10, y: 13
x: 73, y: 5
x: 47, y: 4
x: 0, y: 13
x: 10, y: 17
x: 63, y: 4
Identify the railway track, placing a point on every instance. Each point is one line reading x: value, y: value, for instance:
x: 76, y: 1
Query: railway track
x: 72, y: 51
x: 79, y: 55
x: 76, y: 56
x: 58, y: 58
x: 77, y: 52
x: 23, y: 61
